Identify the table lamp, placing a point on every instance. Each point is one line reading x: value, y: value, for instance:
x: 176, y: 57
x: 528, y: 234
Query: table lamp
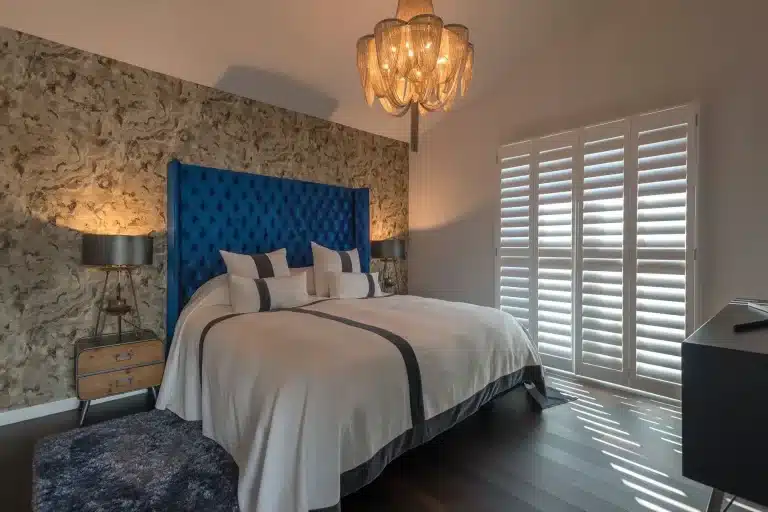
x: 389, y: 250
x: 119, y: 255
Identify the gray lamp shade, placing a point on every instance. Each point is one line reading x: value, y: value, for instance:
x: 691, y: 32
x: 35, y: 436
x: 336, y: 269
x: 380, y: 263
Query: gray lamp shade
x: 392, y: 248
x: 107, y: 250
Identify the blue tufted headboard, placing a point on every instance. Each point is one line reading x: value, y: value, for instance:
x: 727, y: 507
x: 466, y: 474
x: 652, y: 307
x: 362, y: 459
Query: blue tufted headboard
x: 211, y: 209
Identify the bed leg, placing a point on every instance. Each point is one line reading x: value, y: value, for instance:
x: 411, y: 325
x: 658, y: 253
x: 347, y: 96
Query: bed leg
x: 533, y: 404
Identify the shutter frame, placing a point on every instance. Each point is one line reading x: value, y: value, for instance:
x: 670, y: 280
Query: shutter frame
x: 553, y: 155
x: 510, y: 156
x: 605, y: 153
x: 656, y: 369
x: 655, y: 231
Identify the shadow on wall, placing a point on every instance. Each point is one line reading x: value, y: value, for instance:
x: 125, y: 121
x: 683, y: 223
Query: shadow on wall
x: 276, y: 89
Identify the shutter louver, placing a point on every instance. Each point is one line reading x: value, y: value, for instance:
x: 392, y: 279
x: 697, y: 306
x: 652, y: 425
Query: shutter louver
x: 554, y: 210
x: 602, y: 246
x: 662, y: 148
x: 515, y: 249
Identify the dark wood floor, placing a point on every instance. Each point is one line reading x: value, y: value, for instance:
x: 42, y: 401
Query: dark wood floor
x: 607, y: 451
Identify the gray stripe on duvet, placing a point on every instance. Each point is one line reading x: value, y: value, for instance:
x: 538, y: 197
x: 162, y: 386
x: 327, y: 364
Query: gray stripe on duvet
x: 203, y: 335
x: 220, y: 319
x: 406, y: 351
x: 357, y: 478
x: 360, y: 476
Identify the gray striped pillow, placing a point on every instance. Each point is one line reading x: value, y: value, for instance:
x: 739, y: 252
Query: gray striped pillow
x: 272, y: 264
x: 354, y: 285
x: 327, y: 261
x: 267, y: 294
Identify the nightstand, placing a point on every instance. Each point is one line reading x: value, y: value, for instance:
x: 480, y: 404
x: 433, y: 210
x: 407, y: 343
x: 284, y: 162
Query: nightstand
x: 109, y: 364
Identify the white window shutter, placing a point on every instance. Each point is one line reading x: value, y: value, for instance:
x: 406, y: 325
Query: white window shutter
x: 664, y: 145
x: 602, y: 226
x: 554, y: 193
x: 517, y: 290
x: 596, y: 247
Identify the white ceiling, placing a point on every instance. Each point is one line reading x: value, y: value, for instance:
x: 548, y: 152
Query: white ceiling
x: 298, y: 54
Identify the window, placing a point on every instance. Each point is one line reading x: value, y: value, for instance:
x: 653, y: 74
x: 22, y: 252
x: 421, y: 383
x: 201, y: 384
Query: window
x: 596, y: 252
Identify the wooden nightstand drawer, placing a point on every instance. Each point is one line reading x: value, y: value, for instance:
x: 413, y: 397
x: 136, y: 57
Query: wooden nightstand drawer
x: 116, y: 357
x: 121, y: 381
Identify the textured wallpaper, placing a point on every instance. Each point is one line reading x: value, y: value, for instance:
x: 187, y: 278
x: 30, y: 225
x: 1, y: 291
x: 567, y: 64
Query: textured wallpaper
x: 84, y: 143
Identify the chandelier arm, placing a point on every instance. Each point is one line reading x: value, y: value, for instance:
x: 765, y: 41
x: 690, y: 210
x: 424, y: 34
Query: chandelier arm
x: 444, y: 103
x: 394, y: 110
x: 390, y: 93
x: 430, y: 108
x: 391, y: 97
x: 403, y: 111
x: 456, y: 36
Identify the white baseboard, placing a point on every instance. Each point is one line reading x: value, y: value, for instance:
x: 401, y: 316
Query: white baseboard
x: 69, y: 404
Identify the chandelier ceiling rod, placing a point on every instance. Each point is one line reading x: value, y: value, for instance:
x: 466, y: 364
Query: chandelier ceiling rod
x: 414, y: 128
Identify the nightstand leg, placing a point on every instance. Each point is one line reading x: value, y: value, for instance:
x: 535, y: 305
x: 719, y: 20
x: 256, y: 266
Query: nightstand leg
x: 84, y: 410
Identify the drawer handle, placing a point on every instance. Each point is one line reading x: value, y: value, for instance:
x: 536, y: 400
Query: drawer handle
x: 126, y: 381
x: 125, y: 356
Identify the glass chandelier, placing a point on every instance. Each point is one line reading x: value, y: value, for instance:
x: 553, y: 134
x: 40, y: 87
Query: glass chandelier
x: 415, y: 62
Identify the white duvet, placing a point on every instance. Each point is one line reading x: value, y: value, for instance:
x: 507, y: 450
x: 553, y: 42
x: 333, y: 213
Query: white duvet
x: 299, y: 399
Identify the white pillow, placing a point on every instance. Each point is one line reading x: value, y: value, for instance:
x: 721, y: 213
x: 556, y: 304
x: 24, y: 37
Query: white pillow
x: 349, y: 285
x: 272, y: 264
x: 310, y: 273
x: 327, y: 260
x: 267, y: 294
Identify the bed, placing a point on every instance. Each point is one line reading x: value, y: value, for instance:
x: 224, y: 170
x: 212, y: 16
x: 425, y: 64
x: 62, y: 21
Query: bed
x: 313, y: 402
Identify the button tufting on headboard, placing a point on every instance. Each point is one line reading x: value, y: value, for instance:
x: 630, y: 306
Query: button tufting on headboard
x: 211, y: 209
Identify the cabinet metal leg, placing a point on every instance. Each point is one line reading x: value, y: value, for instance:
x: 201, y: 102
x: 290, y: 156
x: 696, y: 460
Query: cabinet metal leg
x: 715, y: 501
x: 84, y: 404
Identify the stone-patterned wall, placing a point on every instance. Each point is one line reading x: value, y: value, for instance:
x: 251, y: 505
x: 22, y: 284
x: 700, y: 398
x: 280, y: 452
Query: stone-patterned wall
x: 84, y: 143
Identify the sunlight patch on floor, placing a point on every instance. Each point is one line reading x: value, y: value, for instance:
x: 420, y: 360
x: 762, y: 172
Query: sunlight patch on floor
x: 656, y: 490
x: 651, y: 506
x: 579, y: 410
x: 648, y: 480
x: 661, y: 497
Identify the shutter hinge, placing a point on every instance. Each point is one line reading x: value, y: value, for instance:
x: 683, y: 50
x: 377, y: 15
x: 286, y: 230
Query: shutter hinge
x: 697, y: 119
x: 695, y: 253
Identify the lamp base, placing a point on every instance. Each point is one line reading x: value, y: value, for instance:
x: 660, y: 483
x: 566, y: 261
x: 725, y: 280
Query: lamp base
x: 390, y: 283
x: 117, y: 306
